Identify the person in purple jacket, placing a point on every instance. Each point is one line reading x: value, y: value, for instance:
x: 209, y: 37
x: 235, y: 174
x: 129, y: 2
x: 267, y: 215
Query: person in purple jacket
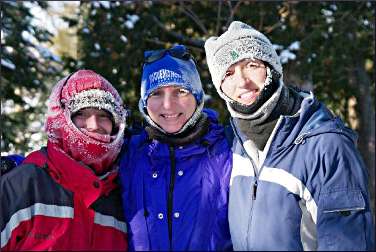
x: 175, y: 174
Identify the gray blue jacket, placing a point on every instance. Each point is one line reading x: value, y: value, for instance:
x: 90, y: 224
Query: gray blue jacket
x: 191, y: 180
x: 308, y: 190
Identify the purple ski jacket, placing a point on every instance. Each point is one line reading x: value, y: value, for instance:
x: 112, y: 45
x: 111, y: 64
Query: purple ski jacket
x: 176, y: 197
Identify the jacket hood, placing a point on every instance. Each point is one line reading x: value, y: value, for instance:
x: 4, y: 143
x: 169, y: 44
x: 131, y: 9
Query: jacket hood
x: 312, y: 119
x: 97, y: 152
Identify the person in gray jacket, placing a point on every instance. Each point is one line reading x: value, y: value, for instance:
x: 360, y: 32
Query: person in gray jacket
x: 298, y: 182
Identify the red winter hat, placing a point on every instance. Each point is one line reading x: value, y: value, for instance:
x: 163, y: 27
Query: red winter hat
x: 84, y: 89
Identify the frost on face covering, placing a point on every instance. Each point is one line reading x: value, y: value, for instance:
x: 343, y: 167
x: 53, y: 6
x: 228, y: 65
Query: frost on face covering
x: 82, y: 90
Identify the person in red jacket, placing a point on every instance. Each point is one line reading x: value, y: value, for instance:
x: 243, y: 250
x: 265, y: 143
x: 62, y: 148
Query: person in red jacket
x: 66, y: 196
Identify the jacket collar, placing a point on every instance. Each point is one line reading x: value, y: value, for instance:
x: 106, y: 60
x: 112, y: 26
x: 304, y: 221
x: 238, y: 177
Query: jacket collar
x: 77, y: 177
x: 158, y: 149
x: 313, y: 118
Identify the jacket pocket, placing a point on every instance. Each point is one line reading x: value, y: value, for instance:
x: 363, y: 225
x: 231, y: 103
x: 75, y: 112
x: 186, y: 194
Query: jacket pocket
x: 343, y: 201
x: 341, y: 220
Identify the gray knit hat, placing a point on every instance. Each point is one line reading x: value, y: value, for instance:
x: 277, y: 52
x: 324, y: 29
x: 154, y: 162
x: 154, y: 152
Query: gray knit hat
x: 239, y: 42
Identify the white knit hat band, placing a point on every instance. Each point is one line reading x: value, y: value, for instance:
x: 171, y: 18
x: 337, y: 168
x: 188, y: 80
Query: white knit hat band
x: 97, y: 98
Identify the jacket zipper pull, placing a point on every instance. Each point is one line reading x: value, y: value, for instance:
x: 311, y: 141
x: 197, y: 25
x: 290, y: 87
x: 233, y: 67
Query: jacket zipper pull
x: 254, y: 191
x: 300, y: 139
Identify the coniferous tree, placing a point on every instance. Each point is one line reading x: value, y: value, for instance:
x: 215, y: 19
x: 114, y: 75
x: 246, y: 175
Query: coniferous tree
x: 26, y: 68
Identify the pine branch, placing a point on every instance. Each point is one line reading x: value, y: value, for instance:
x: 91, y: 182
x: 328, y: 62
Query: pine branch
x: 233, y: 11
x: 218, y: 17
x: 184, y: 39
x: 193, y: 16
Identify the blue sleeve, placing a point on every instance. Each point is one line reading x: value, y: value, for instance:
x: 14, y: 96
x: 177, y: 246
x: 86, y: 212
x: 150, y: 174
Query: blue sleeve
x: 344, y: 219
x: 222, y: 238
x: 125, y: 174
x: 131, y: 184
x: 10, y: 162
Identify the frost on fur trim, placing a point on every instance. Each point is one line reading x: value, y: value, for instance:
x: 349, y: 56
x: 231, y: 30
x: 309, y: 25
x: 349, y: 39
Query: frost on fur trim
x: 98, y: 99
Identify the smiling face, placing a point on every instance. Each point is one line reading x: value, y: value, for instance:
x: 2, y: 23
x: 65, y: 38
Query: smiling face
x: 93, y: 120
x: 171, y: 107
x: 244, y: 80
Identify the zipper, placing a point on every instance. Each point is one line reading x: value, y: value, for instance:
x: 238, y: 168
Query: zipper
x: 254, y: 185
x: 146, y: 212
x: 300, y: 139
x: 171, y: 193
x: 256, y: 172
x: 254, y: 190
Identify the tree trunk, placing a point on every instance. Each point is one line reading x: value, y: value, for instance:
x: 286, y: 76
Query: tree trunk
x: 366, y: 112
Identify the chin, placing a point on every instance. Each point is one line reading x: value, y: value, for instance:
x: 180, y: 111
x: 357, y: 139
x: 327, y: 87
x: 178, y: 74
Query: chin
x: 246, y: 103
x: 172, y: 130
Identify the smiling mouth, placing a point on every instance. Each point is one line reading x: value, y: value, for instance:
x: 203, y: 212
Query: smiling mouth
x: 250, y: 95
x: 171, y: 116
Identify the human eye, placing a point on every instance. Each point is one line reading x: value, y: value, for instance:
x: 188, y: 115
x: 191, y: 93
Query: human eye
x: 104, y: 116
x: 252, y: 64
x: 155, y: 93
x: 228, y: 74
x: 78, y: 117
x: 79, y: 114
x: 182, y: 92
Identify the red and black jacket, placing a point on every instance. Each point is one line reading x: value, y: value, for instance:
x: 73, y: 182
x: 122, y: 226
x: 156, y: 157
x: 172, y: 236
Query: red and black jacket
x: 52, y: 202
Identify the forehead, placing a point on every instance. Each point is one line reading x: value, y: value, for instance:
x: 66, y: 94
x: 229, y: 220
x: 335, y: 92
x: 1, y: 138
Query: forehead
x: 94, y: 111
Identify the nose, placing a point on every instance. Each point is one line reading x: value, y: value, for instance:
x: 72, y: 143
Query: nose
x: 242, y: 76
x: 167, y: 101
x: 92, y: 123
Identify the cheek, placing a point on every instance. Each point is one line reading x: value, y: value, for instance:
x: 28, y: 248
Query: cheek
x: 190, y: 106
x: 152, y: 109
x: 107, y: 126
x: 259, y: 77
x: 228, y: 88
